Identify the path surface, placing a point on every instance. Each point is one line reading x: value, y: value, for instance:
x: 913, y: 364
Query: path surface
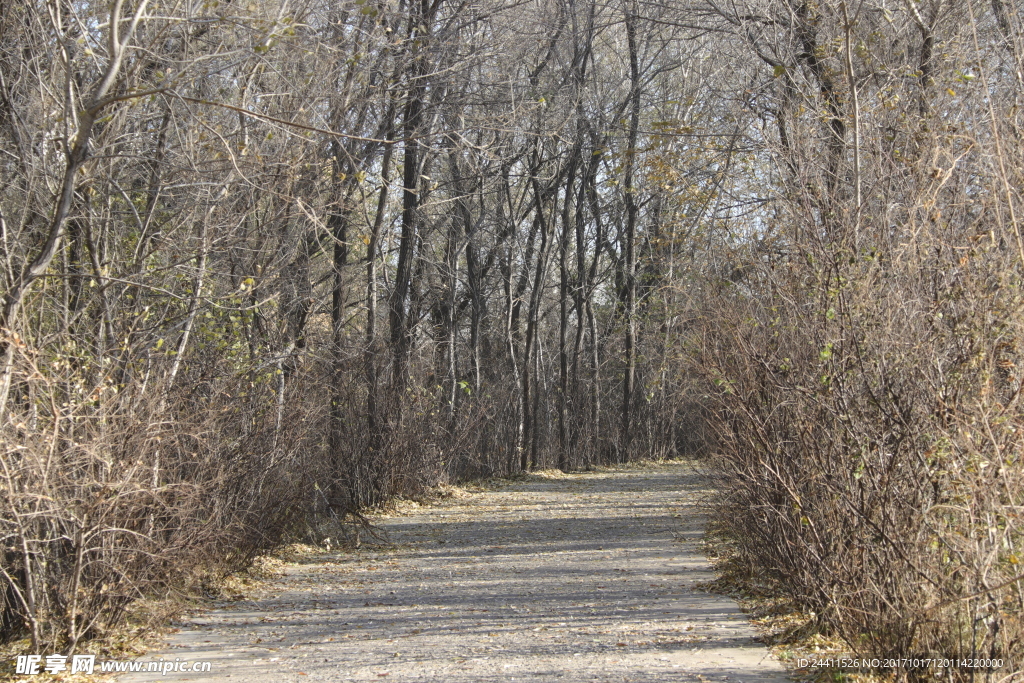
x: 585, y: 577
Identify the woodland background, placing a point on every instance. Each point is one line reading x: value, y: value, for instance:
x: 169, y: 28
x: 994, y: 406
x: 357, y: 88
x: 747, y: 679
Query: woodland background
x: 267, y: 263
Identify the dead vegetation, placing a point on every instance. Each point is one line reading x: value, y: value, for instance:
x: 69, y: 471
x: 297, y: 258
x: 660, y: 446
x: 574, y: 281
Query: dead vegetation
x: 864, y: 374
x: 783, y: 623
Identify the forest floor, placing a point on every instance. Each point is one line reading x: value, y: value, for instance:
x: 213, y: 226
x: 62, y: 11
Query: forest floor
x: 581, y: 577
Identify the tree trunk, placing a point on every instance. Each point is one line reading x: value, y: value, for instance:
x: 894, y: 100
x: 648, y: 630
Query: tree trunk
x: 629, y: 239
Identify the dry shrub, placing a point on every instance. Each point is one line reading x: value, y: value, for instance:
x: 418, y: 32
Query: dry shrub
x: 869, y: 429
x: 862, y: 358
x: 123, y: 496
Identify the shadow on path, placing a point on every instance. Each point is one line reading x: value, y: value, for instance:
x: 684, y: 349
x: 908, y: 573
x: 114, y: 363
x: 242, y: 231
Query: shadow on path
x: 588, y: 577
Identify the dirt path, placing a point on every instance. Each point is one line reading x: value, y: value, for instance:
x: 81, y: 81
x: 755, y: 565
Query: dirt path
x: 584, y: 577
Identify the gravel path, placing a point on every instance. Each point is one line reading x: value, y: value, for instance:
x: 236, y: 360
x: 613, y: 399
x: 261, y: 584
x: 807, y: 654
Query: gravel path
x: 583, y: 577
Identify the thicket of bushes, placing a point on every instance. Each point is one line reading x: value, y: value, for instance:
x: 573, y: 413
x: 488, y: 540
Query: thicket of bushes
x: 866, y: 371
x: 871, y: 445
